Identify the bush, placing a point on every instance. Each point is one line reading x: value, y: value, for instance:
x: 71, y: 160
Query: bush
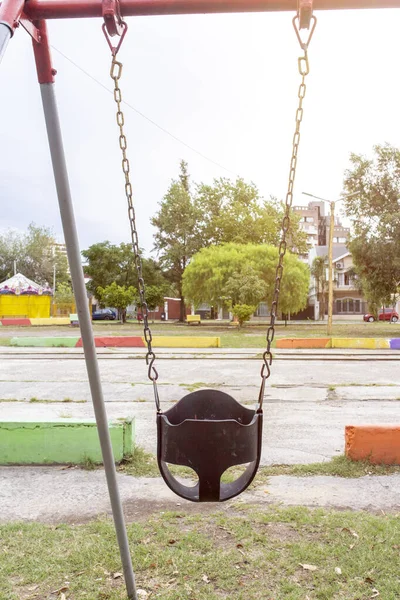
x: 243, y: 312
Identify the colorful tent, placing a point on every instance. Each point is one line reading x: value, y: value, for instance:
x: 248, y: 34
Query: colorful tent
x: 23, y: 298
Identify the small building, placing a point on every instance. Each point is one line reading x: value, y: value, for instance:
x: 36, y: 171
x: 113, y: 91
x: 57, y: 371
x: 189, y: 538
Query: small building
x: 347, y: 298
x: 22, y: 298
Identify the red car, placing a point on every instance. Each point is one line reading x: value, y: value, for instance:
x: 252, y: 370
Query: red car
x: 384, y: 315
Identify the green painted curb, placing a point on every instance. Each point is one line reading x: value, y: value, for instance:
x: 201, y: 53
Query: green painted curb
x: 43, y: 342
x: 61, y: 442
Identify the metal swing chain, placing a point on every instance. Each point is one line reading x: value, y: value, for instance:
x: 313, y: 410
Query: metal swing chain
x: 304, y: 70
x: 115, y: 73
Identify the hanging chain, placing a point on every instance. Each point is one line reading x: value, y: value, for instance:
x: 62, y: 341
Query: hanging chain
x: 304, y: 70
x: 115, y: 73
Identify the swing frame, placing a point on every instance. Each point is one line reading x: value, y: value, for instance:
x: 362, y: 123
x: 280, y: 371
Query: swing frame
x: 32, y: 16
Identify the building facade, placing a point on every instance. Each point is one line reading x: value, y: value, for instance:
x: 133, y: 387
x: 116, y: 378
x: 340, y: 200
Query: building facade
x: 347, y: 298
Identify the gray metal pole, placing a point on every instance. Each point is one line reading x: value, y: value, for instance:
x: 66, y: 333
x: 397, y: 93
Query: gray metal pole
x: 74, y: 258
x: 5, y: 35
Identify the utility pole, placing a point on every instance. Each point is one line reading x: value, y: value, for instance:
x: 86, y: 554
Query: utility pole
x: 330, y: 251
x: 330, y: 262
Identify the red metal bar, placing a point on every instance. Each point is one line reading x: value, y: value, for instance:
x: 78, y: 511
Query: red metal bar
x: 10, y: 12
x: 69, y: 9
x: 44, y: 67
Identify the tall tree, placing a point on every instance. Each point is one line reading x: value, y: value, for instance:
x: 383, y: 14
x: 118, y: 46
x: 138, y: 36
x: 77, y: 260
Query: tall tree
x: 35, y: 253
x: 375, y: 240
x: 210, y: 273
x: 107, y: 263
x: 235, y: 212
x: 177, y: 237
x: 318, y: 271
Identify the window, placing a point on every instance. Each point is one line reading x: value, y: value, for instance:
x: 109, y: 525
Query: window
x: 262, y: 310
x: 348, y: 305
x: 346, y: 278
x: 342, y: 240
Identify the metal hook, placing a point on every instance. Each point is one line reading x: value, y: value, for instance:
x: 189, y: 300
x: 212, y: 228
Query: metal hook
x: 115, y: 49
x: 296, y: 24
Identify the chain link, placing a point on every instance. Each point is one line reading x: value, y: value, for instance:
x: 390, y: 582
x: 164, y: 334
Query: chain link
x: 115, y: 73
x: 304, y: 70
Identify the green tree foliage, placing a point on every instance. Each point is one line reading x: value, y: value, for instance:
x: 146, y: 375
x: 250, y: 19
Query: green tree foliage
x: 245, y: 287
x: 235, y: 212
x: 107, y: 263
x: 117, y: 296
x: 215, y: 214
x: 177, y: 237
x: 206, y: 277
x: 375, y: 241
x: 64, y: 294
x: 35, y: 253
x: 318, y: 271
x: 154, y: 297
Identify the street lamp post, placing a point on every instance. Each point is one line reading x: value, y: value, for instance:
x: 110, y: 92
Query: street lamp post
x: 330, y: 251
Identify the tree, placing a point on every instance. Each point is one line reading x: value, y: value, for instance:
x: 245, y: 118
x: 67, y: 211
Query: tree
x: 375, y: 240
x: 177, y: 238
x: 117, y: 296
x: 35, y: 253
x: 235, y: 212
x: 318, y: 271
x: 206, y: 277
x: 64, y: 294
x: 154, y: 296
x: 108, y: 263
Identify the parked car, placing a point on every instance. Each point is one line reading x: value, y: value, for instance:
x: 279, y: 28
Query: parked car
x: 383, y: 315
x: 104, y: 314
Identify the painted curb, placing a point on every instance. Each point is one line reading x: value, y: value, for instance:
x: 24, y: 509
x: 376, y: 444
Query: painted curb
x: 15, y: 322
x: 165, y: 341
x: 304, y: 343
x: 116, y: 342
x: 42, y: 342
x: 61, y: 442
x: 35, y: 321
x: 355, y: 343
x: 379, y: 445
x: 50, y: 321
x: 363, y: 343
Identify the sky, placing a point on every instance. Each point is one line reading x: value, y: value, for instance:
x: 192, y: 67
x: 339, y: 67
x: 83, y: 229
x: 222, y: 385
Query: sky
x: 225, y: 85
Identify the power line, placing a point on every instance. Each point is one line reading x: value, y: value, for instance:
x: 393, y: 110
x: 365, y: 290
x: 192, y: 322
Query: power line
x: 174, y: 137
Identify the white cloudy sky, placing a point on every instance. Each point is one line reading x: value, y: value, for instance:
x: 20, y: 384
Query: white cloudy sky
x: 224, y: 84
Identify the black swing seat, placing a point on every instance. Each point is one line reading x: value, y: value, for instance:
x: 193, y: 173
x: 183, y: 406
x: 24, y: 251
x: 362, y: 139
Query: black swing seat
x: 209, y: 432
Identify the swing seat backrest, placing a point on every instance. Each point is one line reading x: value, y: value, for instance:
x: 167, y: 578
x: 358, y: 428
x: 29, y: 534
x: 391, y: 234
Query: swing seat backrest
x: 209, y: 432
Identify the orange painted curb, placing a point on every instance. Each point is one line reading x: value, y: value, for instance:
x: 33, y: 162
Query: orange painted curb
x: 379, y: 444
x: 303, y: 343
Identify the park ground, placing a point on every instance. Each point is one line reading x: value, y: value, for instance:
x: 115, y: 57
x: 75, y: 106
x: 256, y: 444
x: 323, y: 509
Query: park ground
x: 252, y: 335
x: 312, y: 525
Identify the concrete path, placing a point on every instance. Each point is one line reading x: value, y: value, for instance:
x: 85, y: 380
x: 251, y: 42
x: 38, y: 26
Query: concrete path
x: 78, y: 495
x: 307, y: 402
x: 310, y: 397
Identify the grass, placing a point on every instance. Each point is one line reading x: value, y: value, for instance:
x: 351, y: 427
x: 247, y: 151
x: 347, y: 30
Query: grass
x: 144, y: 464
x: 244, y: 553
x: 88, y: 464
